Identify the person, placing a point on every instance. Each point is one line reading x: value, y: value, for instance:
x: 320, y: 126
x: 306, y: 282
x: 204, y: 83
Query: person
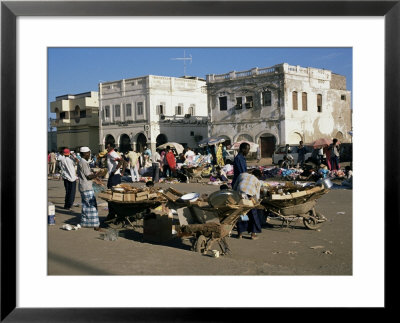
x: 239, y: 163
x: 323, y: 171
x: 67, y: 168
x: 224, y: 154
x: 171, y: 161
x: 301, y: 151
x: 249, y: 186
x: 220, y: 159
x: 147, y: 152
x: 114, y: 162
x: 321, y: 155
x: 156, y: 158
x: 334, y: 155
x: 162, y: 162
x: 348, y: 182
x: 48, y: 163
x: 101, y: 160
x: 52, y: 162
x: 89, y: 214
x: 189, y: 155
x: 211, y: 150
x: 288, y: 156
x: 133, y: 165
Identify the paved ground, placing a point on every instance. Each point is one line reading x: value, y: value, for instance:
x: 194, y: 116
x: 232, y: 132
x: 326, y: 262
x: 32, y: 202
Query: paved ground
x: 279, y: 251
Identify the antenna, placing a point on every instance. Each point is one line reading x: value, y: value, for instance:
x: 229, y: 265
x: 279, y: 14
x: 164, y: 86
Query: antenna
x: 184, y: 59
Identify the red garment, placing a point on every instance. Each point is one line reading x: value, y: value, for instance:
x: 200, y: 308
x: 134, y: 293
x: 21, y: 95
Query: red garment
x: 327, y: 152
x: 171, y: 160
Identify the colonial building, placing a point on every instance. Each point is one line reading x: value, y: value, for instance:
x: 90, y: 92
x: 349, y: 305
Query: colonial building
x: 77, y: 120
x: 279, y: 105
x: 152, y: 110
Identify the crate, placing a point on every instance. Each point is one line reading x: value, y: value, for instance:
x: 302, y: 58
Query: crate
x: 117, y: 196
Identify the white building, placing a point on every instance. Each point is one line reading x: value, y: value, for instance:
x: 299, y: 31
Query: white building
x: 279, y: 105
x: 152, y: 110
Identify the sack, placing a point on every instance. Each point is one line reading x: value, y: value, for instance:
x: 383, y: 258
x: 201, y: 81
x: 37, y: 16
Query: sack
x: 244, y: 217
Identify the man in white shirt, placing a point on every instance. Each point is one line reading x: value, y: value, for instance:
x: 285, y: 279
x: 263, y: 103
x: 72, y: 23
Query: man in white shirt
x: 114, y: 162
x: 156, y: 160
x: 68, y: 173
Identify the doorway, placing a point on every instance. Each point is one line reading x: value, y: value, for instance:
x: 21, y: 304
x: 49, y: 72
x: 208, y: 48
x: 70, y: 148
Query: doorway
x: 267, y: 146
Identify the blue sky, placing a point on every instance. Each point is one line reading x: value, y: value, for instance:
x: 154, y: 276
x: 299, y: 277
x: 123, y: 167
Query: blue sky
x: 75, y: 70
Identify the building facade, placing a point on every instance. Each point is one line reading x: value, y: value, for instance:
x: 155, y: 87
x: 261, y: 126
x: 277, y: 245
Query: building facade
x: 77, y: 120
x: 152, y: 110
x: 279, y: 105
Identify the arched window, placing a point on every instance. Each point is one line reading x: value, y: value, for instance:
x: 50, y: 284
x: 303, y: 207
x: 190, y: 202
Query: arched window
x: 304, y: 101
x: 319, y: 102
x: 191, y: 110
x: 295, y: 103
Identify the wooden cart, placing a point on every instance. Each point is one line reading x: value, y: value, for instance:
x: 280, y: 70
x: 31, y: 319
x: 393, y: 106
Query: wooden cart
x: 206, y: 234
x: 128, y: 212
x: 299, y: 205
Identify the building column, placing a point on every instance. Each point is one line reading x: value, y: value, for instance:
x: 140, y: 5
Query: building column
x: 153, y: 147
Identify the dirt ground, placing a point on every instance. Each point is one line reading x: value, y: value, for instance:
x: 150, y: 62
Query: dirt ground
x: 278, y: 251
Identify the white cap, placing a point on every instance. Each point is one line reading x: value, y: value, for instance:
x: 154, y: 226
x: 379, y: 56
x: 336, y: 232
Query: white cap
x: 84, y: 149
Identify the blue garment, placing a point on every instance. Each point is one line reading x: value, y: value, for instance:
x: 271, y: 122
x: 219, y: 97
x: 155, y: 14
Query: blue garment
x: 251, y: 226
x: 239, y: 167
x: 302, y: 152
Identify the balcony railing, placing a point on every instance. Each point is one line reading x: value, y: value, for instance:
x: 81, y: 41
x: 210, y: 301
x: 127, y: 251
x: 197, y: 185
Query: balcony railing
x: 241, y: 74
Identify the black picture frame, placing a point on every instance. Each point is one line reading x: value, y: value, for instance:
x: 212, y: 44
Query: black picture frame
x: 10, y: 10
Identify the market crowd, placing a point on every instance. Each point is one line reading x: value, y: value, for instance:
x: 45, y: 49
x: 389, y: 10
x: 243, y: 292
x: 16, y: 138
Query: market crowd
x: 145, y: 166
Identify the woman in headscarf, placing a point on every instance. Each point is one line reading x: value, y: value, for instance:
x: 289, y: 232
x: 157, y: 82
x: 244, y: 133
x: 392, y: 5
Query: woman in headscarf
x: 220, y: 159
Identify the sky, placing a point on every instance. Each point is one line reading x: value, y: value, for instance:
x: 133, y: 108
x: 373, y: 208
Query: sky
x: 73, y: 70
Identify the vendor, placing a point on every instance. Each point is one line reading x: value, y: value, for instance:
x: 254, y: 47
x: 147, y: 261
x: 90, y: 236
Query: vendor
x: 249, y: 186
x: 89, y: 214
x: 114, y: 162
x: 239, y: 163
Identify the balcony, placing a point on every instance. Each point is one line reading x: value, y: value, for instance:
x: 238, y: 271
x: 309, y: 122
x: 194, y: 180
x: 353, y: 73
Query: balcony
x: 186, y: 119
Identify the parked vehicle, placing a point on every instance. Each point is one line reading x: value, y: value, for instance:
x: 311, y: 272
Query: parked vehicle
x: 279, y: 154
x: 230, y: 156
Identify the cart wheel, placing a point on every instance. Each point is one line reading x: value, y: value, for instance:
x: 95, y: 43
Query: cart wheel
x: 312, y: 222
x: 200, y: 245
x: 117, y: 224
